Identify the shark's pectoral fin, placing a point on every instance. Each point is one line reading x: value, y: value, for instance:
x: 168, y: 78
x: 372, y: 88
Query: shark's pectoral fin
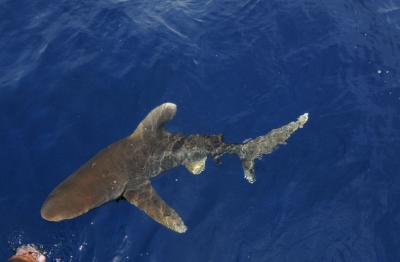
x: 196, y: 167
x: 145, y: 198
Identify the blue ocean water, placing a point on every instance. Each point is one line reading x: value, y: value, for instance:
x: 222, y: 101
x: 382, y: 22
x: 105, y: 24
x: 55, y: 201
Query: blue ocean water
x: 79, y: 75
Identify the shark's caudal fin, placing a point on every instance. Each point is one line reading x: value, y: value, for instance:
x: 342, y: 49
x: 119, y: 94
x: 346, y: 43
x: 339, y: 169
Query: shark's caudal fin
x: 266, y: 144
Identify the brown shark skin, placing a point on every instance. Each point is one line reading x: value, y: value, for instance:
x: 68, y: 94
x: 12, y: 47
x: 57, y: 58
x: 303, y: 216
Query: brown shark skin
x: 125, y: 168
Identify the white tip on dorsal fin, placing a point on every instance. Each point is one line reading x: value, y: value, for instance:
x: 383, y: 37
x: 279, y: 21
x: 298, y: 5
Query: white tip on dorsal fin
x: 156, y: 118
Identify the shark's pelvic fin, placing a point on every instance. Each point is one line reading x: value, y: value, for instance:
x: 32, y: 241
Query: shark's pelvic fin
x: 145, y: 198
x: 196, y: 167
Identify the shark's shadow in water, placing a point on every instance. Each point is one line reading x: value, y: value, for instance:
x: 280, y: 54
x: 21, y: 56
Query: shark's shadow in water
x: 124, y: 168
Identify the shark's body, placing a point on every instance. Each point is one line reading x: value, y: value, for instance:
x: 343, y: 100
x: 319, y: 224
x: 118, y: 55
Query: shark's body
x: 125, y: 167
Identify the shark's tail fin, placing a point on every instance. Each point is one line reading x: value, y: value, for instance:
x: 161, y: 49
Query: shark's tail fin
x: 266, y: 144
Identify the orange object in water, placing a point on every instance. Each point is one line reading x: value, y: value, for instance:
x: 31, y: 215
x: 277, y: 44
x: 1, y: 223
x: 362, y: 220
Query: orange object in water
x: 27, y: 253
x: 22, y: 258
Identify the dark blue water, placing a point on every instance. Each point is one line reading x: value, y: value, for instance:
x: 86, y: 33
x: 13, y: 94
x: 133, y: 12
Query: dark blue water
x: 78, y: 75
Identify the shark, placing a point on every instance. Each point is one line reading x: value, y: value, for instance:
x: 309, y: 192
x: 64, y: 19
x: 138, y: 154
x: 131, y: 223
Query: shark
x: 124, y: 168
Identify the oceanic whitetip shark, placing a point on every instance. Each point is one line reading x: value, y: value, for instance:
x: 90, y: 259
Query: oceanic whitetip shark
x: 124, y: 168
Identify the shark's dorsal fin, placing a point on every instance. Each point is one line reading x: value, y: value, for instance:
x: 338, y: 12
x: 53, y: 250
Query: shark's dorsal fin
x: 156, y: 119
